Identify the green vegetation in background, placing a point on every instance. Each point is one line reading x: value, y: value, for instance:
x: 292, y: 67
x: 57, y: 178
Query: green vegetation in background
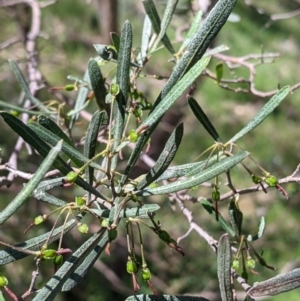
x: 247, y: 36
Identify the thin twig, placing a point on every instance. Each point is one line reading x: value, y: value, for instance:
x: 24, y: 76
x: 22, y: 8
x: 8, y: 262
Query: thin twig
x: 10, y: 42
x: 244, y: 61
x: 35, y: 275
x: 34, y: 76
x: 188, y: 214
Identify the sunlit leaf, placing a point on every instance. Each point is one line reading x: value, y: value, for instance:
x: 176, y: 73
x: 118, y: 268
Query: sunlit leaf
x: 276, y: 285
x: 224, y: 268
x: 8, y: 255
x: 55, y: 284
x: 263, y: 113
x: 22, y: 196
x: 175, y: 93
x: 204, y: 175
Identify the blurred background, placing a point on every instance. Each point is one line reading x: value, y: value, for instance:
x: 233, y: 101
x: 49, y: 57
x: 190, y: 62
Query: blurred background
x: 268, y: 32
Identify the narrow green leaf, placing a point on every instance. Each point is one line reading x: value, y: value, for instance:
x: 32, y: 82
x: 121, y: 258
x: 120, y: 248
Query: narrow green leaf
x: 78, y: 158
x: 43, y: 149
x: 23, y: 195
x: 76, y: 111
x: 192, y: 31
x: 276, y: 285
x: 114, y: 210
x: 122, y: 77
x: 8, y: 106
x: 215, y: 50
x: 115, y: 40
x: 49, y: 124
x: 224, y: 268
x: 190, y: 169
x: 49, y: 184
x: 55, y: 284
x: 31, y: 138
x: 175, y: 93
x: 152, y: 13
x: 201, y: 116
x: 140, y: 211
x: 79, y: 80
x: 1, y: 297
x: 164, y: 298
x: 90, y: 143
x: 48, y: 198
x: 86, y: 265
x: 122, y: 145
x: 122, y: 80
x: 98, y: 85
x: 199, y: 43
x: 9, y: 255
x: 167, y: 17
x: 80, y: 102
x: 145, y: 40
x: 21, y: 80
x: 211, y: 210
x: 235, y: 217
x: 205, y: 175
x: 181, y: 170
x: 165, y: 158
x: 219, y: 71
x: 205, y: 35
x: 261, y: 229
x: 263, y: 113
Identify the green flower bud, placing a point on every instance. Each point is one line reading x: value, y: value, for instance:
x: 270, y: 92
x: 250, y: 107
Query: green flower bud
x: 48, y: 254
x: 38, y: 220
x: 83, y: 228
x: 272, y: 181
x: 71, y: 177
x: 105, y: 223
x: 256, y: 179
x: 215, y: 195
x: 134, y: 198
x: 69, y: 87
x: 112, y: 234
x: 146, y: 274
x: 114, y: 89
x: 250, y: 263
x: 80, y: 201
x: 134, y: 95
x: 235, y: 264
x: 3, y: 281
x: 131, y: 267
x: 133, y: 136
x: 138, y: 113
x: 58, y: 260
x: 14, y: 113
